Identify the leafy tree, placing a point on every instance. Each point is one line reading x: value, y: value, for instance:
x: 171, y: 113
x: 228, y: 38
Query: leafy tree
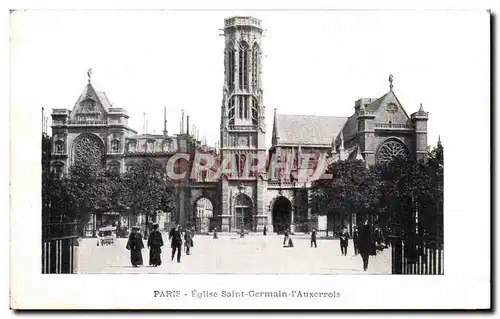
x: 90, y: 191
x: 147, y: 189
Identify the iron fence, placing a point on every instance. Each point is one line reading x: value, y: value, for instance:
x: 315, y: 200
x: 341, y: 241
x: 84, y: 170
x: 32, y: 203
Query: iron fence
x: 59, y: 242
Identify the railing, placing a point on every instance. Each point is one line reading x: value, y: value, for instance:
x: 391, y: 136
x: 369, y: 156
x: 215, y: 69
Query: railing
x: 87, y: 122
x: 59, y: 243
x: 242, y: 127
x: 394, y: 126
x: 60, y: 111
x: 285, y: 184
x: 118, y: 110
x: 417, y: 255
x: 243, y: 21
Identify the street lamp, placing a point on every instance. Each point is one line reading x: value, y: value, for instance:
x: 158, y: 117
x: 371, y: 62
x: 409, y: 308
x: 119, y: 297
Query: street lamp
x: 240, y: 189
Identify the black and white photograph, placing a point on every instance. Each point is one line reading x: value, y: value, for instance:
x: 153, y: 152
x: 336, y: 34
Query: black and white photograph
x: 266, y: 144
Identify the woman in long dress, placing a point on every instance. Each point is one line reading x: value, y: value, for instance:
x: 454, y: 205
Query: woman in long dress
x: 135, y: 245
x: 155, y: 242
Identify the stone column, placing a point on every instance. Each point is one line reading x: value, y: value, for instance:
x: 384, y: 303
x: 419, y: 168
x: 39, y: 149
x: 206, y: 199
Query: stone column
x: 225, y: 216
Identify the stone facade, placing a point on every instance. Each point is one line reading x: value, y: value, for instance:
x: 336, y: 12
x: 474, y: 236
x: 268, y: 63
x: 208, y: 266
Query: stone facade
x: 378, y: 129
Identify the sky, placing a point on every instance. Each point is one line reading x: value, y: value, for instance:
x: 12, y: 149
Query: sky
x: 314, y: 62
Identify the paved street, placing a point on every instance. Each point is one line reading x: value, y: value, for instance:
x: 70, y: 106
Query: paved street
x: 254, y: 254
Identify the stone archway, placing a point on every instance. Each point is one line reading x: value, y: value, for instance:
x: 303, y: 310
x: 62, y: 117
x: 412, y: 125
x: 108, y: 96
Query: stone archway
x: 282, y: 214
x: 203, y: 214
x: 243, y: 213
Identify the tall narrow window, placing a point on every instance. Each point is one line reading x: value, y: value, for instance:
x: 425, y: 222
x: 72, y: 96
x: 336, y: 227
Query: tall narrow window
x: 231, y: 111
x: 255, y: 66
x: 255, y: 111
x: 243, y: 66
x: 231, y: 64
x: 240, y: 107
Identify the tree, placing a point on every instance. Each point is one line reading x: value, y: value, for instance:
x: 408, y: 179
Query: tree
x: 354, y: 188
x: 90, y: 191
x: 148, y: 189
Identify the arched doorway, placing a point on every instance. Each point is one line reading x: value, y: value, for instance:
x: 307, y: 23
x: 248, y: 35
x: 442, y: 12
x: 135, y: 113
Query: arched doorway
x: 243, y: 209
x: 204, y: 211
x: 282, y: 214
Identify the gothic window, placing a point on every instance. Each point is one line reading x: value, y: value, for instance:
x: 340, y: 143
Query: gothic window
x: 59, y: 149
x: 88, y: 148
x: 243, y: 65
x: 231, y: 111
x: 58, y: 169
x: 255, y: 66
x: 255, y: 111
x: 390, y: 150
x: 231, y: 65
x: 132, y: 146
x: 240, y: 107
x: 115, y: 146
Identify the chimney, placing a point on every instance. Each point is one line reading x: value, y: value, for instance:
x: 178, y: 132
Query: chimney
x: 182, y: 123
x: 165, y: 132
x: 187, y: 128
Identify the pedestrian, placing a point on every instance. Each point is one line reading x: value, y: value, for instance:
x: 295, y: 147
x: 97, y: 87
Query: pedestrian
x: 155, y: 242
x: 176, y: 243
x: 287, y: 235
x: 355, y: 239
x: 135, y: 245
x: 313, y: 238
x: 215, y: 233
x: 265, y: 230
x: 365, y: 243
x: 344, y: 241
x: 188, y: 241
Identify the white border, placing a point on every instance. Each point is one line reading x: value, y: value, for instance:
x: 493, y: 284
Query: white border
x: 465, y: 285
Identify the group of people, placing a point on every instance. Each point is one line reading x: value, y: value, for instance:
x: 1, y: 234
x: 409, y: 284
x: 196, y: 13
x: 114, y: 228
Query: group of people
x: 177, y: 237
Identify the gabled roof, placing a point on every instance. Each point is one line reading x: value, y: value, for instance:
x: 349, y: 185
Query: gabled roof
x: 307, y: 129
x: 89, y: 92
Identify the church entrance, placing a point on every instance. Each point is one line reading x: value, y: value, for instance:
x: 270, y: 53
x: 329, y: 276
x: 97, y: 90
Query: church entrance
x: 203, y: 214
x: 243, y: 209
x: 282, y: 214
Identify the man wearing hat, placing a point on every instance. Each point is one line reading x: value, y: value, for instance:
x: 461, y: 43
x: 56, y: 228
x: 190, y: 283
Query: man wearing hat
x: 135, y: 245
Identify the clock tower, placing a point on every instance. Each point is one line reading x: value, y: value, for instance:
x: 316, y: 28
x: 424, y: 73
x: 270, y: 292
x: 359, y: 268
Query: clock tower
x: 242, y: 129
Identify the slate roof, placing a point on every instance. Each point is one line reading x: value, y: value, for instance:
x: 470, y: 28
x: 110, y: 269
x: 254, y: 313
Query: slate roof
x: 307, y: 129
x: 90, y: 91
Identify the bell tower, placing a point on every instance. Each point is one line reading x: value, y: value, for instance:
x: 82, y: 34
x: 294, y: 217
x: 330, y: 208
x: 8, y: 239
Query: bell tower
x: 242, y: 127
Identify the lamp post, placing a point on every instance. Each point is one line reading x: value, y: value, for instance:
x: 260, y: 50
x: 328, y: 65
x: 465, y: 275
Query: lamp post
x: 240, y: 189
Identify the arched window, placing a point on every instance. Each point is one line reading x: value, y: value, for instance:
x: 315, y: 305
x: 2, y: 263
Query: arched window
x: 390, y: 150
x: 115, y: 146
x: 88, y: 148
x: 132, y: 146
x: 58, y: 169
x: 243, y: 65
x: 59, y: 147
x: 255, y: 66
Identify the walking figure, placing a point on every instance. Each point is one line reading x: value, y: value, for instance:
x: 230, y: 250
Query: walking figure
x: 176, y: 242
x: 287, y: 235
x: 265, y: 230
x: 365, y: 244
x: 135, y: 245
x: 355, y: 239
x: 215, y: 233
x: 188, y: 241
x: 155, y: 242
x: 344, y: 241
x: 313, y: 238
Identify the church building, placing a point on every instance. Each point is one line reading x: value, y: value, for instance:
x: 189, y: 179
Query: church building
x: 378, y: 129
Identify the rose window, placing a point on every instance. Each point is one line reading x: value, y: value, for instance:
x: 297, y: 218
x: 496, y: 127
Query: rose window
x: 390, y: 150
x: 88, y: 149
